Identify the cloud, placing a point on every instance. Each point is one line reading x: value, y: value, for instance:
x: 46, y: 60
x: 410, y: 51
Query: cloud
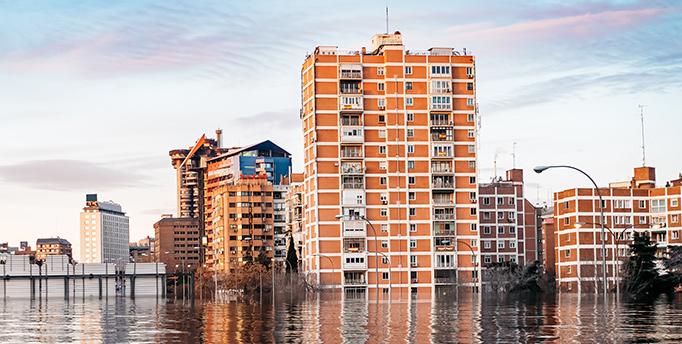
x: 67, y: 175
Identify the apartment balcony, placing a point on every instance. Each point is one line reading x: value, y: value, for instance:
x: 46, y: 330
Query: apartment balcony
x: 351, y: 73
x: 352, y: 185
x: 441, y: 123
x: 352, y: 135
x: 445, y: 280
x: 441, y: 248
x: 442, y: 136
x: 444, y: 216
x: 441, y: 91
x: 354, y: 229
x: 350, y: 104
x: 352, y: 168
x: 444, y: 232
x: 350, y: 90
x: 442, y: 200
x: 441, y: 107
x: 355, y: 121
x: 441, y: 170
x: 440, y: 184
x: 354, y: 261
x: 351, y: 153
x: 353, y: 282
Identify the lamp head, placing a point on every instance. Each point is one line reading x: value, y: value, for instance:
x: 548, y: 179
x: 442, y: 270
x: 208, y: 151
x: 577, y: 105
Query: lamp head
x: 339, y: 217
x: 578, y: 224
x: 540, y: 169
x: 655, y: 225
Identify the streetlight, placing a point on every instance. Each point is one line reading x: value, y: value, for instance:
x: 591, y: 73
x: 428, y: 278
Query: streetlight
x: 333, y: 275
x: 390, y: 276
x: 540, y: 169
x: 376, y: 250
x: 473, y: 254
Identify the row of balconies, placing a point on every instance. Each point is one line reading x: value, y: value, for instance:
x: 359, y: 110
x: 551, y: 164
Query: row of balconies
x: 356, y: 104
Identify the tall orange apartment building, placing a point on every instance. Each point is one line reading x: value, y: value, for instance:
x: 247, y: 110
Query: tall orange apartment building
x: 635, y: 205
x: 510, y: 226
x: 390, y: 136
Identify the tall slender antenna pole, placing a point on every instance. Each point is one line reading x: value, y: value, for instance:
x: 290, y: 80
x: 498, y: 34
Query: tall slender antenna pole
x: 387, y: 18
x: 641, y: 113
x: 514, y: 155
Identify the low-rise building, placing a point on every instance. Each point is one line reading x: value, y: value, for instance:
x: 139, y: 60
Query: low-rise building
x: 53, y: 246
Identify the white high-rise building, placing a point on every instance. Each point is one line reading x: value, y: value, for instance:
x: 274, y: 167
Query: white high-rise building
x: 105, y: 232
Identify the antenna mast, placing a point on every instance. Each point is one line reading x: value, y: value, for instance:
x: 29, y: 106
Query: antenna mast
x: 514, y: 155
x: 387, y: 18
x: 641, y: 113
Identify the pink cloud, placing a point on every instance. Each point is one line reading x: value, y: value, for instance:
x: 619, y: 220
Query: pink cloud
x: 586, y: 25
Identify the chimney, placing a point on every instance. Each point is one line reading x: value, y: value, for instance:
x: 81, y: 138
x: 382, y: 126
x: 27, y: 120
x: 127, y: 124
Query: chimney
x: 218, y: 135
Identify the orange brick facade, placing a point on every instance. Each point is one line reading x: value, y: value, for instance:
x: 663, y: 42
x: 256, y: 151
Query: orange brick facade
x: 390, y: 136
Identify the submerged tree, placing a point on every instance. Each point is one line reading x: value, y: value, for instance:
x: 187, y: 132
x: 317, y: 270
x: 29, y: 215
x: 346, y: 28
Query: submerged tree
x: 511, y: 277
x: 642, y: 273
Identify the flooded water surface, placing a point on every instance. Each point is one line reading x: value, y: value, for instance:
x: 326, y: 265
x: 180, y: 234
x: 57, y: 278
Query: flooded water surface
x: 468, y: 318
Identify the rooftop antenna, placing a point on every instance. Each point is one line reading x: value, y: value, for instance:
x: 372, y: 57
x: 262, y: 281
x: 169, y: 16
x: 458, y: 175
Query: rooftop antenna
x: 641, y: 113
x: 387, y: 17
x: 495, y: 167
x: 514, y: 155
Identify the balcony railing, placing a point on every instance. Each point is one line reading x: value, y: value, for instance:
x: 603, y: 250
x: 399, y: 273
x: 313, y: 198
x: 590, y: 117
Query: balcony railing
x: 348, y: 281
x: 445, y: 265
x: 351, y: 153
x: 352, y: 170
x: 351, y: 121
x: 443, y: 200
x: 353, y: 185
x: 444, y: 232
x: 344, y: 90
x: 444, y: 247
x: 441, y: 91
x: 351, y: 74
x: 444, y: 280
x: 435, y: 169
x: 444, y: 216
x: 441, y: 106
x: 442, y: 185
x: 441, y: 137
x: 441, y: 122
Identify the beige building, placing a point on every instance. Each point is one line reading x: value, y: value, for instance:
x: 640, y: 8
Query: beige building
x: 390, y: 136
x: 105, y: 234
x: 52, y: 246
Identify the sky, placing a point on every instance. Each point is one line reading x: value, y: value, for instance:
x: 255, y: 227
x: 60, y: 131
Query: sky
x: 94, y: 94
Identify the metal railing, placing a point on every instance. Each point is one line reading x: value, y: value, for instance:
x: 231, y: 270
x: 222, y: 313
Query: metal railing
x: 351, y: 75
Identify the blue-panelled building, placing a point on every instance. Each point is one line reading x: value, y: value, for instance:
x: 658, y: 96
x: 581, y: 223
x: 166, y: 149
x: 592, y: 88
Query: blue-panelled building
x: 260, y: 158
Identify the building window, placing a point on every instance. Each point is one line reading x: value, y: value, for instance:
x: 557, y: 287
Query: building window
x: 486, y: 215
x: 384, y: 275
x: 410, y: 132
x: 657, y: 205
x: 384, y: 212
x: 472, y: 180
x: 642, y: 204
x: 472, y: 196
x: 382, y: 165
x: 409, y: 101
x: 382, y: 118
x: 470, y: 117
x: 674, y: 218
x: 382, y: 180
x: 410, y: 149
x: 642, y: 219
x: 487, y: 259
x: 486, y: 229
x: 473, y: 227
x: 382, y: 149
x: 413, y: 212
x: 384, y: 243
x: 472, y: 149
x: 500, y: 244
x: 384, y: 260
x: 474, y: 243
x: 486, y: 244
x: 472, y: 165
x: 673, y: 203
x: 382, y: 133
x: 470, y: 86
x: 470, y: 101
x: 500, y: 215
x: 412, y: 196
x: 413, y: 227
x: 384, y: 228
x: 410, y: 165
x: 381, y: 103
x: 512, y: 244
x: 486, y: 200
x: 408, y: 85
x: 380, y: 86
x: 567, y: 253
x: 410, y: 117
x: 411, y: 180
x: 380, y: 70
x: 472, y: 211
x: 675, y: 234
x: 413, y: 243
x: 512, y: 230
x: 567, y: 221
x: 500, y: 201
x: 408, y: 70
x: 470, y: 133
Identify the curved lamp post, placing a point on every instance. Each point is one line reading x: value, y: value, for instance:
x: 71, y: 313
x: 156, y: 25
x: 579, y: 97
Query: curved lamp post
x: 332, y: 262
x: 540, y: 169
x: 473, y: 254
x: 376, y: 254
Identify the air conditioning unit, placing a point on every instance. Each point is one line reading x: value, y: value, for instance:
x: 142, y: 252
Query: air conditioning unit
x: 471, y: 76
x: 384, y: 201
x: 414, y: 264
x: 473, y: 200
x: 414, y: 280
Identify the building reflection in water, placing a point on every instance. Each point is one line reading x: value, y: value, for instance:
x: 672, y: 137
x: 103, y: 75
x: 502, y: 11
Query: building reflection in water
x: 461, y: 318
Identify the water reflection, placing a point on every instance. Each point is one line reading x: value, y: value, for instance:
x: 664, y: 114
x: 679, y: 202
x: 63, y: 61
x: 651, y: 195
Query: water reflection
x: 465, y: 318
